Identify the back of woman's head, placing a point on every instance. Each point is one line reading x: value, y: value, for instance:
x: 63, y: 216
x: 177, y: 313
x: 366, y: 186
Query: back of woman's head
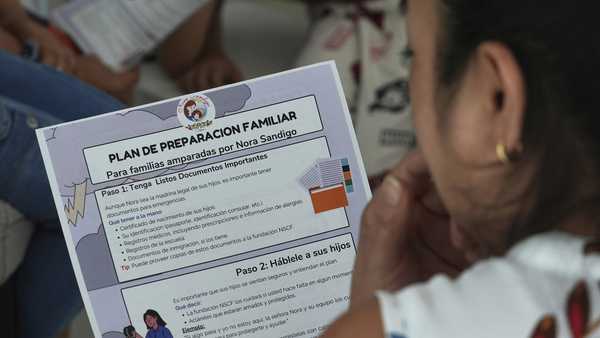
x: 554, y: 43
x: 129, y: 331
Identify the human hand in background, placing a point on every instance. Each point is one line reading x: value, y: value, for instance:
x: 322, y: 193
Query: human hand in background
x: 214, y: 69
x: 52, y: 51
x: 15, y: 21
x: 9, y: 43
x: 405, y: 235
x: 90, y: 69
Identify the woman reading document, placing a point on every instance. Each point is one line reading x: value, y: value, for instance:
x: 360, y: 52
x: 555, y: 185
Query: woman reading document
x: 490, y: 229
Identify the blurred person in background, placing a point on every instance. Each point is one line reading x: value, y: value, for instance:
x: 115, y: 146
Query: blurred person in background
x: 366, y: 39
x: 193, y: 48
x: 23, y: 34
x: 33, y: 96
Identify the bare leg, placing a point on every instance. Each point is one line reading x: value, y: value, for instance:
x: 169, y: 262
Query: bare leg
x: 182, y: 48
x: 120, y: 85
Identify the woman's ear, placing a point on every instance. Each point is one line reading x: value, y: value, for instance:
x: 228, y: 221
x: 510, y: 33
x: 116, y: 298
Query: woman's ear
x: 506, y: 95
x: 488, y: 107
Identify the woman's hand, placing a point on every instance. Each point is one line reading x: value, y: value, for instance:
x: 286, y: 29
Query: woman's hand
x: 90, y: 69
x: 212, y: 70
x: 52, y: 51
x: 9, y: 43
x: 404, y: 234
x: 15, y: 20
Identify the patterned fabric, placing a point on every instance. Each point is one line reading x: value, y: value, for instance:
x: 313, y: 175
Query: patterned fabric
x: 366, y: 39
x: 546, y: 287
x: 577, y: 311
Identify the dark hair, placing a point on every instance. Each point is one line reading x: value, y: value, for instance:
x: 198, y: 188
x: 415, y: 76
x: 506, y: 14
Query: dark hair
x: 186, y: 106
x: 553, y: 43
x: 128, y: 330
x: 154, y: 314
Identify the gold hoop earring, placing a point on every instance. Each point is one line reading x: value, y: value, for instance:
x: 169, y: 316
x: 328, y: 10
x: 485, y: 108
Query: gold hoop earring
x: 501, y: 153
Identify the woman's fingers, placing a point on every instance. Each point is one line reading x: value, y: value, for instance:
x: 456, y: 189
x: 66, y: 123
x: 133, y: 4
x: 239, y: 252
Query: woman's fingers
x: 414, y: 172
x: 121, y: 85
x: 236, y: 74
x: 49, y: 59
x: 210, y: 73
x: 389, y: 217
x: 9, y: 42
x: 201, y: 78
x: 192, y: 80
x: 388, y: 212
x: 430, y: 218
x: 383, y: 260
x: 63, y: 61
x: 218, y: 77
x: 68, y: 62
x: 405, y: 233
x: 186, y: 81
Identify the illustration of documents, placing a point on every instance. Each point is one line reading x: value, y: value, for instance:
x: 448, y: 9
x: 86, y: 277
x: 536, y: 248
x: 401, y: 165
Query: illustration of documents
x: 328, y: 198
x: 328, y: 183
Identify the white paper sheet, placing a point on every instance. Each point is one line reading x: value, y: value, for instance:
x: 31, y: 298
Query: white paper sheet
x: 120, y: 32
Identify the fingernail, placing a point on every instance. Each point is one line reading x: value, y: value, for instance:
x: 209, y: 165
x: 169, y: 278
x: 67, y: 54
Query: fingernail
x: 391, y: 190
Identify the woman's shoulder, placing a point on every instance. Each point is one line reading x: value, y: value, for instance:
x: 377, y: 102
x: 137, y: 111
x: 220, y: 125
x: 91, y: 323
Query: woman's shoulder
x: 165, y: 330
x: 530, y: 285
x: 545, y: 250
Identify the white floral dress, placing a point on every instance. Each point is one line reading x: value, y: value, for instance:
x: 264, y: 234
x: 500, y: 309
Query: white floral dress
x: 547, y: 286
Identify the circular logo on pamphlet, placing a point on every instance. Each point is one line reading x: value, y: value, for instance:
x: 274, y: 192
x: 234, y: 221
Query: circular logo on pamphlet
x: 196, y: 112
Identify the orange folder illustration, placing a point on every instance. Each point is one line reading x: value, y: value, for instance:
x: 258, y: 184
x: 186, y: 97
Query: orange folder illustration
x: 329, y: 198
